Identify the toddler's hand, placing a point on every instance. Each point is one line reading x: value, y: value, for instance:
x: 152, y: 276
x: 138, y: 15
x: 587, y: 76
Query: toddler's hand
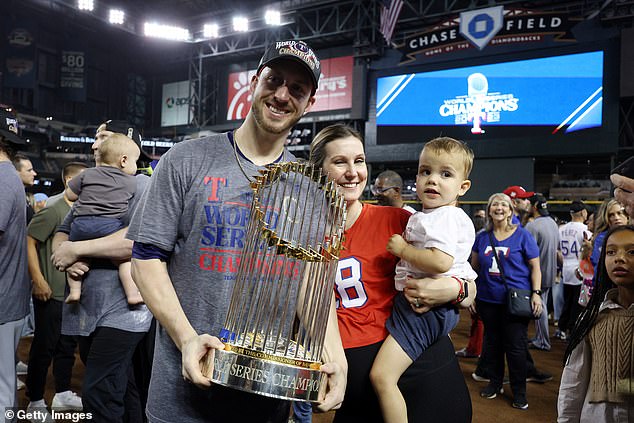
x: 396, y: 245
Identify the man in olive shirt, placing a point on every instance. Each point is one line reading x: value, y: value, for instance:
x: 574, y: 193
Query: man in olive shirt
x: 49, y: 285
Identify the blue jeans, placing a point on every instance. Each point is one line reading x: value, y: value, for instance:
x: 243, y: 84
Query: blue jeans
x: 542, y: 338
x: 416, y: 332
x: 92, y: 227
x: 302, y: 412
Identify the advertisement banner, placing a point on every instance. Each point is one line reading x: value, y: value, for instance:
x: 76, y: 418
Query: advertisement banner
x: 175, y: 104
x: 238, y: 96
x: 487, y: 27
x: 19, y: 65
x: 335, y: 85
x: 72, y: 76
x: 334, y: 93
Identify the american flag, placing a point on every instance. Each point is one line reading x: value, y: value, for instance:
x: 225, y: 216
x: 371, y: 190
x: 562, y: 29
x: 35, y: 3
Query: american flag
x: 390, y: 9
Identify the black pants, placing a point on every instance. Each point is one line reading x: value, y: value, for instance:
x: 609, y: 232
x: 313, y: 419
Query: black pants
x: 433, y: 386
x: 109, y: 391
x: 505, y: 334
x: 142, y: 367
x: 49, y: 345
x: 571, y: 309
x: 484, y: 364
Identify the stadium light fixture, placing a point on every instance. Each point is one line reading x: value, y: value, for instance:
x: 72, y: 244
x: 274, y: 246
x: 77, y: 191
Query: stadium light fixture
x: 88, y: 5
x: 240, y: 24
x: 273, y: 17
x: 116, y: 17
x: 211, y: 30
x: 167, y: 32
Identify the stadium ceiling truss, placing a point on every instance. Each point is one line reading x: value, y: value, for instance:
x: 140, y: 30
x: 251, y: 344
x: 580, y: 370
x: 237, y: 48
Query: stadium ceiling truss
x: 358, y: 21
x: 326, y: 24
x: 335, y: 23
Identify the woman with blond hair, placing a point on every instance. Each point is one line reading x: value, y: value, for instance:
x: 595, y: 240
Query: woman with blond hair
x: 505, y: 255
x: 610, y: 215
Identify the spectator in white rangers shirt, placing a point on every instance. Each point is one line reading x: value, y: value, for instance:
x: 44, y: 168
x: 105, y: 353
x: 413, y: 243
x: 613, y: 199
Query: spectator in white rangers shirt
x: 572, y: 236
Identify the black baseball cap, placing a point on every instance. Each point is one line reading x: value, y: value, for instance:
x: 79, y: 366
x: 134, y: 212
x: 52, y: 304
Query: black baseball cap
x: 540, y: 203
x: 130, y: 131
x: 577, y: 206
x: 294, y: 50
x: 9, y: 127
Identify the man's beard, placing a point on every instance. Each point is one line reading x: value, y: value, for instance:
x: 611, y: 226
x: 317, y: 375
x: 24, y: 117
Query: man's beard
x: 264, y: 124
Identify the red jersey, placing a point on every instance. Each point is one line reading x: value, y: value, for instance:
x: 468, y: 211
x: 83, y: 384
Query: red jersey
x: 364, y: 285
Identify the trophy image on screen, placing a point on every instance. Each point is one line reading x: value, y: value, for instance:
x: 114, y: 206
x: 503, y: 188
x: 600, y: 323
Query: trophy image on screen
x: 275, y: 327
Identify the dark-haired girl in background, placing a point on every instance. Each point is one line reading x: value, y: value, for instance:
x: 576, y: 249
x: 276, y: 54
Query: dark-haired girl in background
x: 597, y: 384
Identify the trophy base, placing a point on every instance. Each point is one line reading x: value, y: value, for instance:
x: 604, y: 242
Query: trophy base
x: 235, y: 369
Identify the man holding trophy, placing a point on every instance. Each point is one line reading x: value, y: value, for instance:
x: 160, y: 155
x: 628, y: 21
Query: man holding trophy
x: 190, y: 231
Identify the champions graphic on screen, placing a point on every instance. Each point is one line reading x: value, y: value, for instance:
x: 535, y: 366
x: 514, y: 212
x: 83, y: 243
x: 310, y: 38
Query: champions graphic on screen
x: 559, y: 94
x: 478, y: 105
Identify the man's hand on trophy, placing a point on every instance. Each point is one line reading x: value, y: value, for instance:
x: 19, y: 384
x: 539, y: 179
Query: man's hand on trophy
x: 198, y: 359
x: 335, y: 389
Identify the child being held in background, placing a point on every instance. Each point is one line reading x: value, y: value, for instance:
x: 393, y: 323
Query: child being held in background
x: 585, y: 271
x: 101, y: 196
x: 597, y: 384
x: 441, y: 238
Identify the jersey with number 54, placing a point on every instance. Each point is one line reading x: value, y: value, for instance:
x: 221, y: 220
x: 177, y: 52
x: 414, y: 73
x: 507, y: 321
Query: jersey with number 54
x: 571, y: 240
x: 364, y: 284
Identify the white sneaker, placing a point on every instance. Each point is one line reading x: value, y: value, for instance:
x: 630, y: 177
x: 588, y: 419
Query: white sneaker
x: 42, y: 415
x: 20, y: 385
x: 21, y: 368
x: 67, y: 400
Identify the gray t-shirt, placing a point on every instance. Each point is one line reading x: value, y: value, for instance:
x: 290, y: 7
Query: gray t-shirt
x: 197, y: 206
x: 15, y: 285
x: 545, y: 231
x: 103, y: 191
x: 103, y: 301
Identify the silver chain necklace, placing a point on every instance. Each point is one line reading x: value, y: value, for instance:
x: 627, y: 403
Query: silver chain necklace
x: 235, y: 152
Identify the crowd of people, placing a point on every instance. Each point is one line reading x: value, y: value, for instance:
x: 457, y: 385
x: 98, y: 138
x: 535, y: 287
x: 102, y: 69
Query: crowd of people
x: 401, y: 278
